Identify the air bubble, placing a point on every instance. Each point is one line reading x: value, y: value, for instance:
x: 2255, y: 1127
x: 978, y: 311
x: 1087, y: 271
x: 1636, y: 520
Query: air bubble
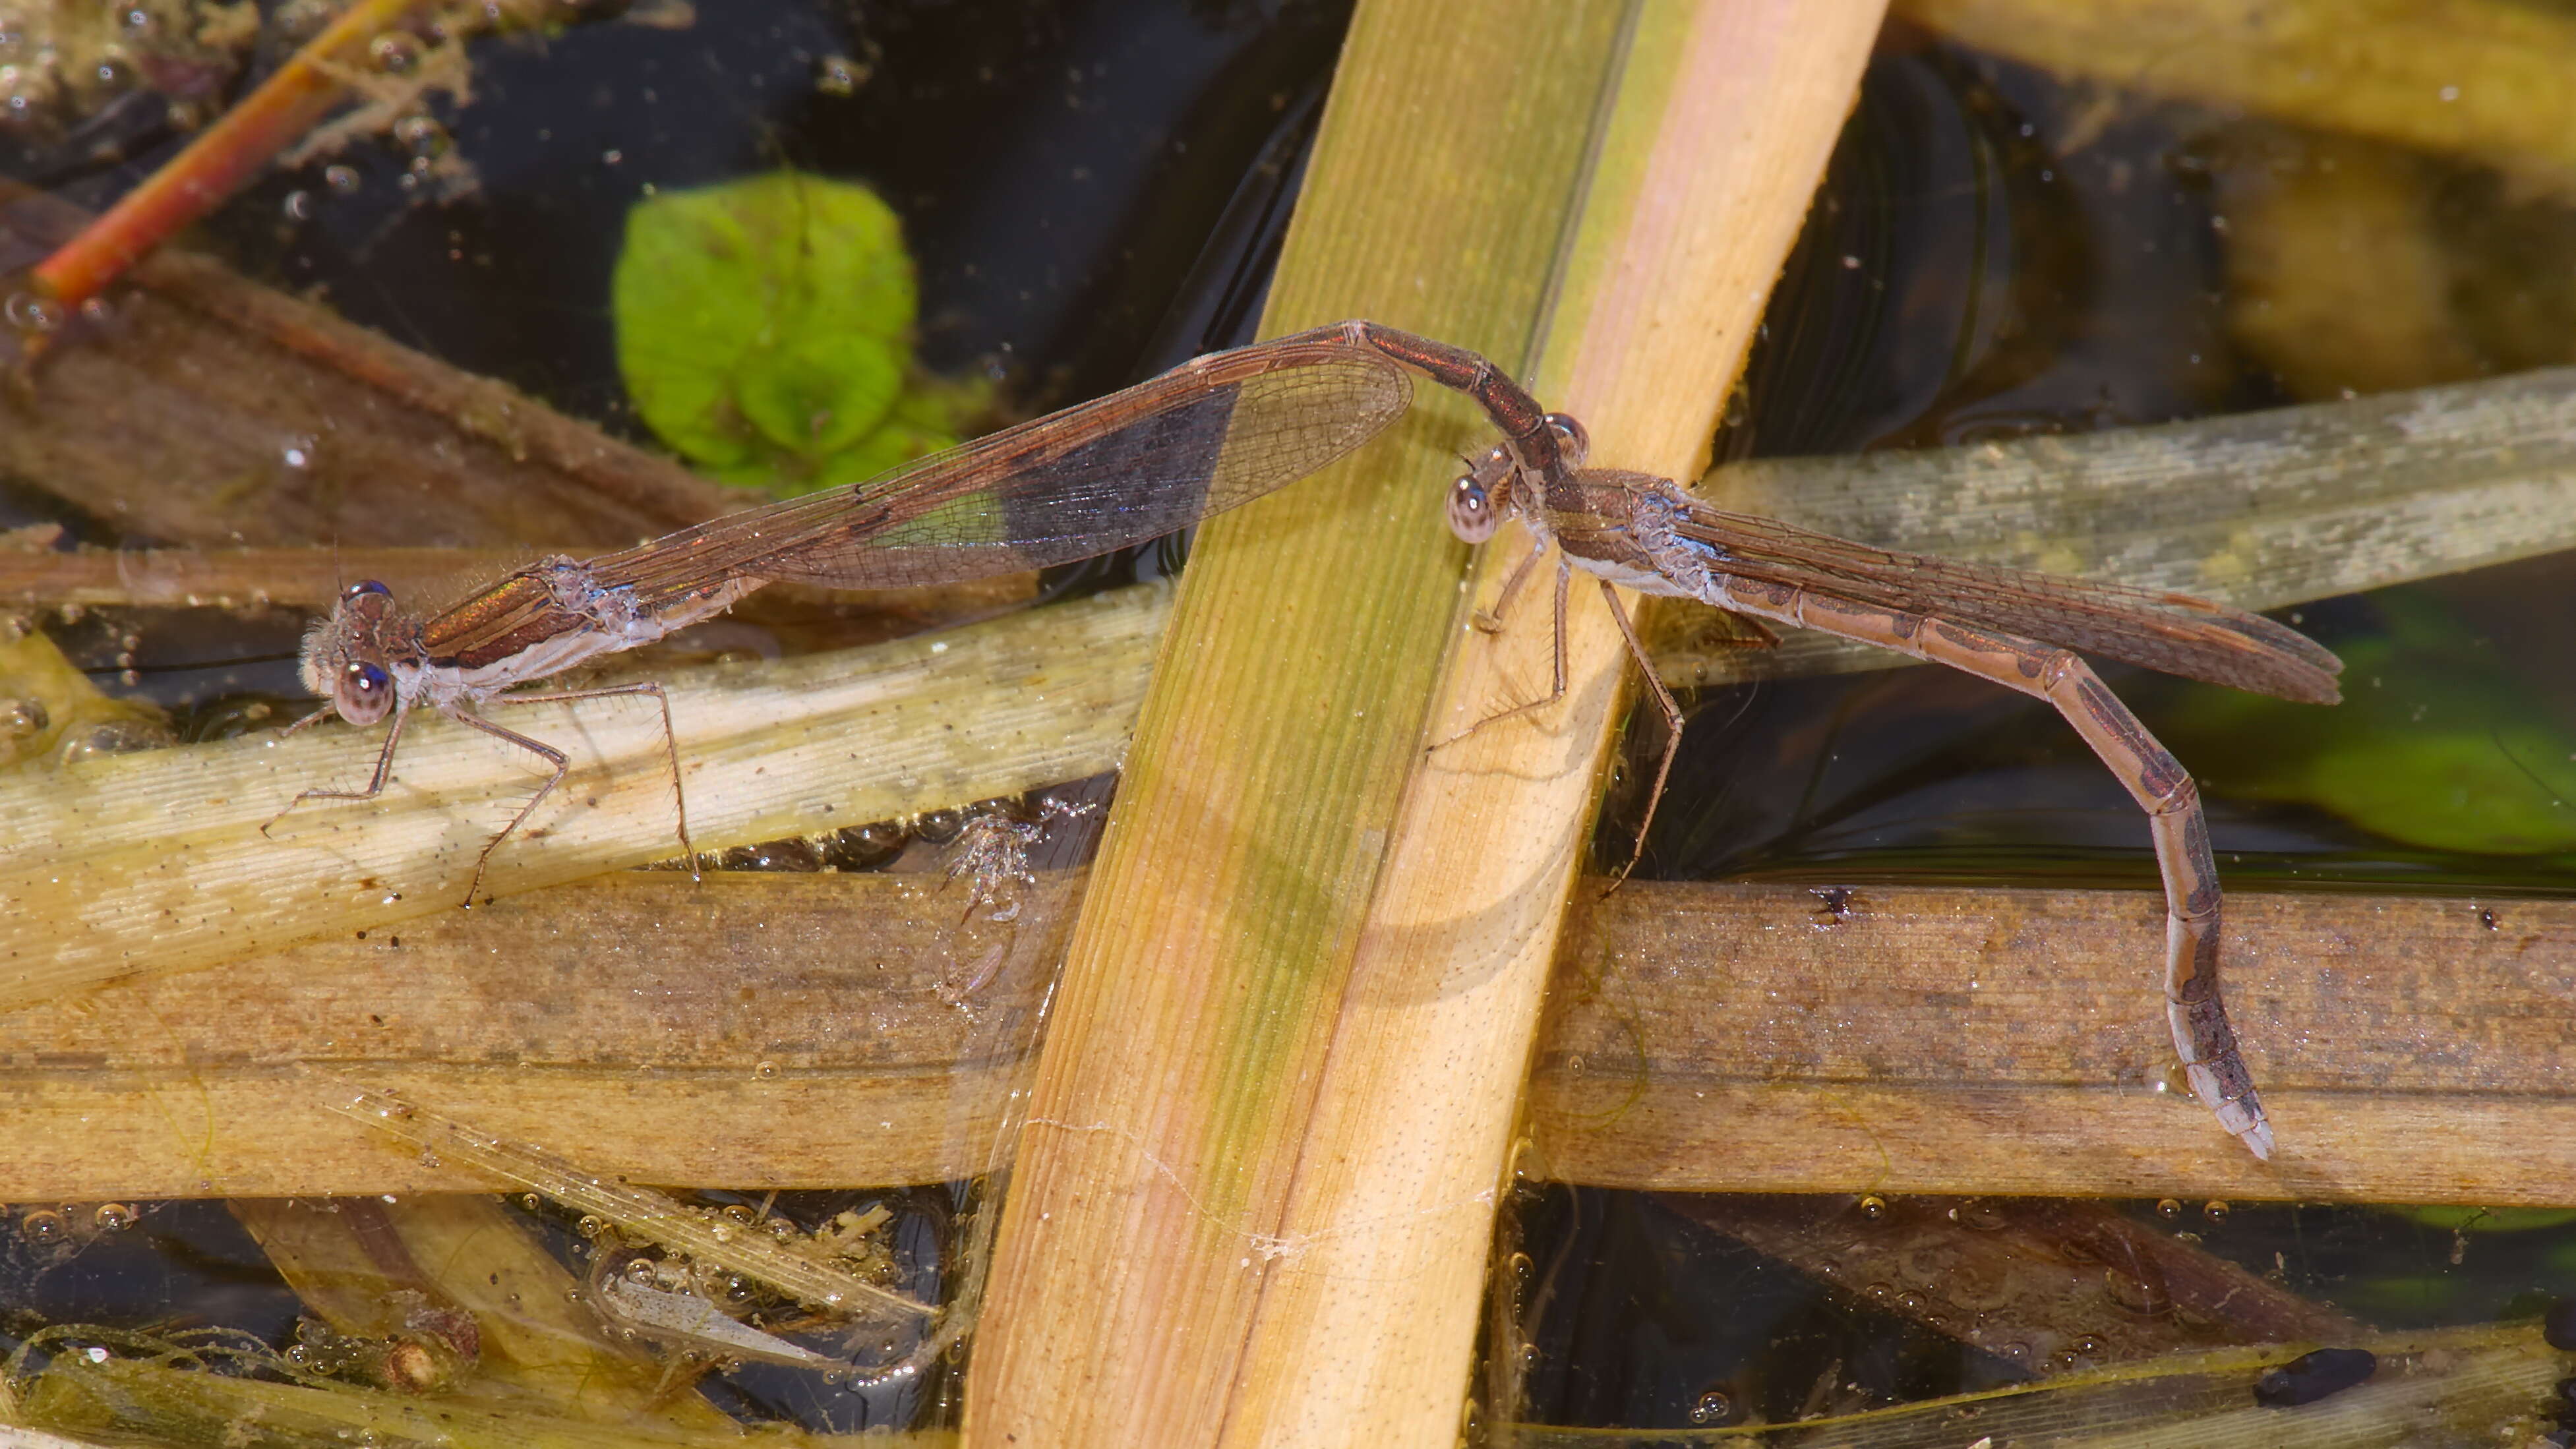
x: 394, y: 53
x: 1713, y: 1407
x: 838, y: 75
x: 423, y: 135
x: 30, y: 313
x: 1983, y: 1216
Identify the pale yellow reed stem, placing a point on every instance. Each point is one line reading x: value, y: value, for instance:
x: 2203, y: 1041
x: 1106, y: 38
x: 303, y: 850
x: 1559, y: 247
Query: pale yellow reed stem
x: 1257, y: 1191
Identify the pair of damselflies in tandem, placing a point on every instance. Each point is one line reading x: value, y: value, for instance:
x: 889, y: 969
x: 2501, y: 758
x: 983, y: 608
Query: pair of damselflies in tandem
x: 1228, y: 427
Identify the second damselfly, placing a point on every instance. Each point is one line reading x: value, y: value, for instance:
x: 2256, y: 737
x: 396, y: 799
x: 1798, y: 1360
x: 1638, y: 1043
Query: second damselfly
x: 2015, y: 627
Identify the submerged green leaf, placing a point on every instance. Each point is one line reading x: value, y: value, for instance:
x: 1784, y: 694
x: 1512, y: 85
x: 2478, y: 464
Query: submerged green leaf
x: 2486, y: 1220
x: 2435, y: 744
x: 764, y: 331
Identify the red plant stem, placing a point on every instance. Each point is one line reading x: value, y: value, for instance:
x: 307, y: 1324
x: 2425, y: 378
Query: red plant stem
x: 199, y: 178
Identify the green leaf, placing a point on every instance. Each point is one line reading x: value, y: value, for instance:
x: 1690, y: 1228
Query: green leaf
x: 2486, y: 1220
x: 2435, y: 745
x: 764, y: 325
x: 889, y: 447
x: 818, y: 395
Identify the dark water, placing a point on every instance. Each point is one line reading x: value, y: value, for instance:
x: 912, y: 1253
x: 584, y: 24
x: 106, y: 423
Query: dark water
x: 2018, y: 276
x: 1059, y: 167
x: 1648, y: 1318
x: 1094, y: 191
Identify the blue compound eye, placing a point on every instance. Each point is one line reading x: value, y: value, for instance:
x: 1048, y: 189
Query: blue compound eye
x: 364, y: 693
x: 364, y: 587
x: 1471, y: 512
x: 1571, y: 439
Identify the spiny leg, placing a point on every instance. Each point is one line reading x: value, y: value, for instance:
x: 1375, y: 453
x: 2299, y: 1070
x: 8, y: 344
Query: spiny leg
x: 375, y: 786
x: 1556, y: 691
x: 2195, y: 1009
x: 1490, y: 620
x: 670, y: 742
x: 1672, y: 729
x: 539, y: 748
x: 309, y: 721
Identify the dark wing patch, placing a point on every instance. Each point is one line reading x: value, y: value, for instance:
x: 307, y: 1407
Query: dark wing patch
x: 1121, y: 470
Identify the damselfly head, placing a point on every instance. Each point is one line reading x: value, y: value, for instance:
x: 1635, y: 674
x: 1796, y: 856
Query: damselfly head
x: 1481, y: 498
x: 344, y: 655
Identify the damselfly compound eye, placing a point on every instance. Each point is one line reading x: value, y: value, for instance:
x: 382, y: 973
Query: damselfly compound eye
x: 1571, y: 439
x: 363, y: 694
x: 1471, y: 511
